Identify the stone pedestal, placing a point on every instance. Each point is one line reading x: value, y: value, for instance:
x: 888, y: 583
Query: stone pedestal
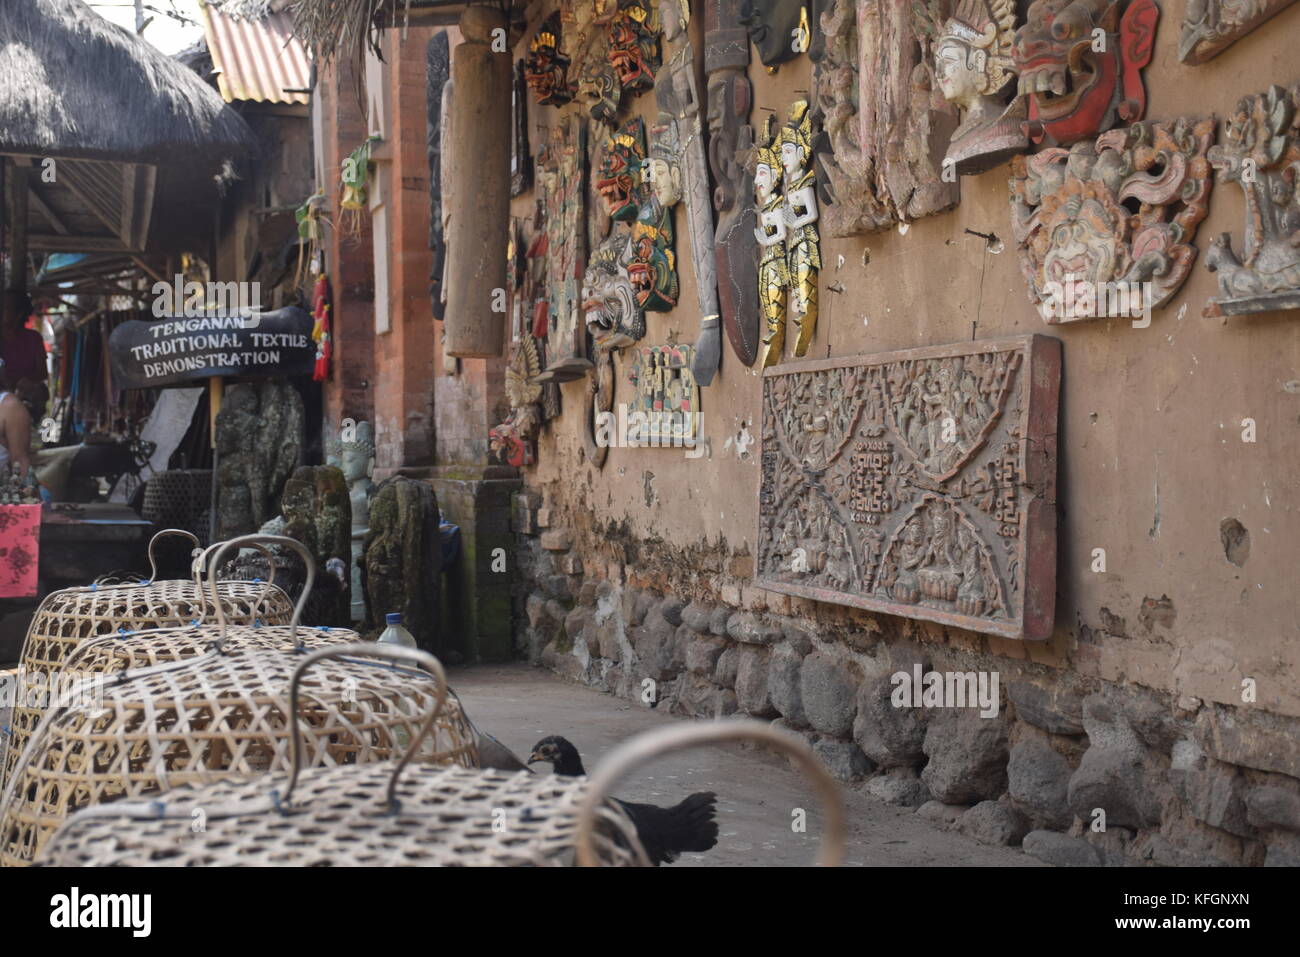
x: 476, y: 606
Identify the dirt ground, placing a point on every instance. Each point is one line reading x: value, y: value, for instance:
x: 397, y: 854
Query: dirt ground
x: 757, y: 790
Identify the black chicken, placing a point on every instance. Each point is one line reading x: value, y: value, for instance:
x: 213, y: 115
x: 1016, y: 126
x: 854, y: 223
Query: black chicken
x: 665, y: 832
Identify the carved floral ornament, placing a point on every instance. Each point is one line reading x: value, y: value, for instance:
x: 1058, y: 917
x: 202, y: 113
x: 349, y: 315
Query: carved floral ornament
x: 1260, y: 151
x: 918, y: 483
x: 1211, y: 26
x: 1111, y: 218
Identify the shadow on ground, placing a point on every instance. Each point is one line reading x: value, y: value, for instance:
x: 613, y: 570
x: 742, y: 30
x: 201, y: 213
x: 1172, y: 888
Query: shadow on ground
x: 758, y: 791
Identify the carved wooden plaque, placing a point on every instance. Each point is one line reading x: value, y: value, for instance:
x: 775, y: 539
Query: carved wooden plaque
x: 919, y: 483
x: 887, y: 132
x: 1211, y: 26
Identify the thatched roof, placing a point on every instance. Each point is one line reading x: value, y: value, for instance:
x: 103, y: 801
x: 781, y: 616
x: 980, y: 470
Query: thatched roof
x: 73, y: 84
x: 329, y: 27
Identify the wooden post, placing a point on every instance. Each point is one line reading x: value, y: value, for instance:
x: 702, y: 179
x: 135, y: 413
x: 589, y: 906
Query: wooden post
x: 479, y: 203
x: 17, y: 203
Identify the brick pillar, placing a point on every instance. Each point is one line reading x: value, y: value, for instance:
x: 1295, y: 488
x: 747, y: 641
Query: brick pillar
x: 349, y: 262
x: 403, y: 393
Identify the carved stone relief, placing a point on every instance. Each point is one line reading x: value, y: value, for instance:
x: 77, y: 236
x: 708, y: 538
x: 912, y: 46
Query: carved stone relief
x: 1211, y: 26
x: 918, y: 483
x: 1078, y: 87
x: 973, y: 70
x: 726, y: 60
x: 1111, y: 219
x: 886, y: 130
x: 1260, y: 151
x: 665, y: 406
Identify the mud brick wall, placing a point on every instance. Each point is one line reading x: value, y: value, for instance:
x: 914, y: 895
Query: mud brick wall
x: 1167, y: 693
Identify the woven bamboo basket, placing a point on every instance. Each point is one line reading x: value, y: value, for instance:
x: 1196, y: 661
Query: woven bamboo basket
x: 68, y: 617
x: 389, y: 815
x: 230, y: 711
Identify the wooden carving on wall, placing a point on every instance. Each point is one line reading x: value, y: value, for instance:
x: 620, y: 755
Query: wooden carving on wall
x: 886, y: 130
x: 1075, y: 89
x: 1081, y: 250
x: 615, y: 54
x: 512, y: 440
x: 613, y: 315
x: 438, y: 72
x: 651, y: 259
x: 919, y: 483
x: 1211, y: 26
x: 678, y: 172
x: 521, y: 158
x: 665, y: 406
x: 726, y: 60
x: 546, y: 68
x: 619, y: 180
x: 973, y: 70
x: 1260, y: 150
x: 785, y: 191
x: 562, y: 181
x: 782, y: 29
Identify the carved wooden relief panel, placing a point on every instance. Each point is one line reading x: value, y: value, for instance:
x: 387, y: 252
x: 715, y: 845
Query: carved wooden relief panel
x: 1260, y: 151
x: 919, y: 483
x: 1211, y: 26
x: 665, y: 395
x: 561, y: 178
x: 1075, y: 89
x: 726, y: 59
x: 886, y: 135
x: 1076, y: 237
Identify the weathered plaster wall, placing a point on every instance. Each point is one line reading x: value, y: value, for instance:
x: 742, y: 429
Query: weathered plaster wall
x: 1151, y: 455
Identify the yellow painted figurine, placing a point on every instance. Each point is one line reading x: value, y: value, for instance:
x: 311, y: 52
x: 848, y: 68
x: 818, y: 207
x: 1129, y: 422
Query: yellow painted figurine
x: 802, y: 243
x: 773, y: 271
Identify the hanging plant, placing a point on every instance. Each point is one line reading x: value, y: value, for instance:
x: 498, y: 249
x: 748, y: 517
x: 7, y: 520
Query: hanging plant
x: 308, y: 217
x: 356, y: 170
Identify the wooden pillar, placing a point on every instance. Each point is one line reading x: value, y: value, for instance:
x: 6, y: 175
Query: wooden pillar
x: 17, y: 214
x: 479, y: 203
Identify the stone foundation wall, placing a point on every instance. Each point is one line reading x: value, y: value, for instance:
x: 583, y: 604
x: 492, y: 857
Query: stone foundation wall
x: 1079, y: 770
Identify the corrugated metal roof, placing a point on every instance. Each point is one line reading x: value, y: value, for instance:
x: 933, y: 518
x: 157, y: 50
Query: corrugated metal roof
x: 256, y: 59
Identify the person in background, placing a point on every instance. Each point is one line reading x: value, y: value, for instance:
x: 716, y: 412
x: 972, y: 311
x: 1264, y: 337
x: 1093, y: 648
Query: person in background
x: 15, y: 431
x: 23, y: 351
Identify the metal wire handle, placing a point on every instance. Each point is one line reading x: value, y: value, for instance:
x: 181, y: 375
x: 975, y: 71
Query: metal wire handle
x: 200, y: 566
x: 652, y: 744
x: 153, y: 562
x: 282, y: 540
x: 373, y: 650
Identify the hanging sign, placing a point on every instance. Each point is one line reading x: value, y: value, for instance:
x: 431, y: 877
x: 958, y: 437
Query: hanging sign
x: 176, y: 351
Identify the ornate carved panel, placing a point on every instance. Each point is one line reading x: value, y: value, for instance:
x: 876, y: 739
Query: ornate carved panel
x: 919, y: 483
x: 1211, y: 26
x: 1260, y: 151
x: 1079, y: 242
x: 1077, y: 86
x: 665, y: 395
x: 887, y: 131
x: 561, y: 174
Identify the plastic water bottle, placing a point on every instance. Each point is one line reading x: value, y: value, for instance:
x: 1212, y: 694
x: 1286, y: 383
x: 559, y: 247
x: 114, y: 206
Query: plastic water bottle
x: 395, y: 634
